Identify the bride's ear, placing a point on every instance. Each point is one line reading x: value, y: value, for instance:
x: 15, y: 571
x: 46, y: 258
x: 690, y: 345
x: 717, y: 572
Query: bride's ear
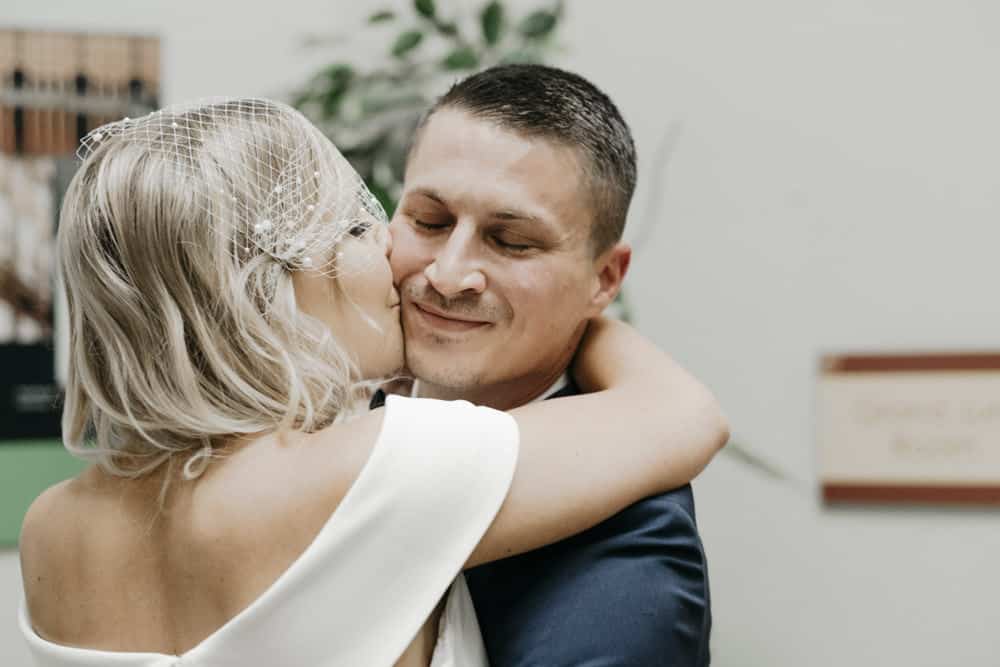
x: 610, y: 268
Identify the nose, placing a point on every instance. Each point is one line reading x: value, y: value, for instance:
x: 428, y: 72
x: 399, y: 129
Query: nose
x: 455, y: 269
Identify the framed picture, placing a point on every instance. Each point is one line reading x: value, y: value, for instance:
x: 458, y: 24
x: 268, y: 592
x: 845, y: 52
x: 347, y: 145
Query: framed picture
x: 922, y: 428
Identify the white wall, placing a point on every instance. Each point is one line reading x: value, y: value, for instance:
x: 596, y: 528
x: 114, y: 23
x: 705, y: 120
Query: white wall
x: 833, y: 187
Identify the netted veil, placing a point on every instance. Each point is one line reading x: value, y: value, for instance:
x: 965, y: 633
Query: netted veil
x: 293, y: 199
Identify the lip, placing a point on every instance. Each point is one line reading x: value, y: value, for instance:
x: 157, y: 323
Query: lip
x: 437, y: 319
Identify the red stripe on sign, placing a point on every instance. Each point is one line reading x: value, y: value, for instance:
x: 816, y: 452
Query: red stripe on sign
x: 961, y: 495
x: 903, y: 363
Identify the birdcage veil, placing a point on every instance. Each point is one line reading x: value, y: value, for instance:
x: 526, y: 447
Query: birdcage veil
x: 286, y: 193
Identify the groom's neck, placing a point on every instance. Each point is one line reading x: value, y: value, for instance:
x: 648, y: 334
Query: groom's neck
x: 505, y: 395
x: 501, y: 396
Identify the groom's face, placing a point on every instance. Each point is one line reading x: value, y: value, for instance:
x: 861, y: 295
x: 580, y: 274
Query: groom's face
x: 491, y: 254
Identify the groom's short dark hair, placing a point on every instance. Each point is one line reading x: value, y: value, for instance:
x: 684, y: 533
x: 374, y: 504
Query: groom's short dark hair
x: 553, y: 104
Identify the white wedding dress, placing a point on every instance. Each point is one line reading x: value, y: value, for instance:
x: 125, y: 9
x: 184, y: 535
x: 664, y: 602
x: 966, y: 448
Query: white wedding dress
x: 393, y: 547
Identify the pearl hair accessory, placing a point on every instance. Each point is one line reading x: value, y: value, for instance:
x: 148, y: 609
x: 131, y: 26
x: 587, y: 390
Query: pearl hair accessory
x: 265, y: 176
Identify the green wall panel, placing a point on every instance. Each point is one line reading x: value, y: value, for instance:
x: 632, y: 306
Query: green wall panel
x: 26, y: 469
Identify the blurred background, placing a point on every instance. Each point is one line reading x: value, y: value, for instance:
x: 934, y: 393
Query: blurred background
x: 816, y: 178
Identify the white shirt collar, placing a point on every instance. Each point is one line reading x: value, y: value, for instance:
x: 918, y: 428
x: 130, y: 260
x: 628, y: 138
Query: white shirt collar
x: 556, y: 387
x: 561, y: 383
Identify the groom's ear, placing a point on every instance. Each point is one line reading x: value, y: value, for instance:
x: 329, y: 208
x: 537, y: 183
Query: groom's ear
x: 610, y: 268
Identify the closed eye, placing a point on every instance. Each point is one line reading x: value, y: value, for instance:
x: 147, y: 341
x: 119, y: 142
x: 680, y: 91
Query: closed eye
x: 513, y: 247
x: 430, y: 225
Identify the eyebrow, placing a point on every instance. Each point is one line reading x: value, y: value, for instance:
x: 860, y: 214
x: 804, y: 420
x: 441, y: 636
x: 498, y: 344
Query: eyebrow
x: 514, y: 215
x: 429, y: 193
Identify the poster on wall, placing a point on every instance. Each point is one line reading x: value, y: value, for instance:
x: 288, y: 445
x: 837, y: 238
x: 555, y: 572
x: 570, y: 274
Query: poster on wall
x: 910, y: 428
x: 54, y: 88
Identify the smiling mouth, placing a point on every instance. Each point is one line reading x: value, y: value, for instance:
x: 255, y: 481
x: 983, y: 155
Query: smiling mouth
x: 443, y: 322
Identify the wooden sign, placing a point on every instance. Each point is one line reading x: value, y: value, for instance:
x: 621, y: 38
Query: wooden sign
x: 910, y: 428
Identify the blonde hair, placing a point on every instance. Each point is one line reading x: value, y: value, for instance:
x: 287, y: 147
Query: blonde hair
x: 181, y: 331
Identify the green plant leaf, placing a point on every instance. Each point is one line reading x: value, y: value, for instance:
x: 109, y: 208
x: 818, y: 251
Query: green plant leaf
x: 538, y: 24
x: 382, y: 194
x: 446, y: 28
x: 406, y: 42
x: 492, y: 22
x: 425, y: 8
x: 382, y: 16
x: 464, y: 57
x: 331, y: 104
x: 338, y: 80
x: 331, y: 86
x: 339, y: 74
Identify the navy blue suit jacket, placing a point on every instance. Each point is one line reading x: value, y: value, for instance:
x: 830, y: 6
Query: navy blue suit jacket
x: 630, y: 592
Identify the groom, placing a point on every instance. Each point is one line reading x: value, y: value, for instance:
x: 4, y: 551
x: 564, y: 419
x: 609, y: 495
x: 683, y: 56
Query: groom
x: 506, y: 240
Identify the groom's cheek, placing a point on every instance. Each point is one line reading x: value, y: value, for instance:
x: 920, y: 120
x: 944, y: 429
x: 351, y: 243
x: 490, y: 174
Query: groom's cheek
x: 405, y: 258
x: 401, y: 259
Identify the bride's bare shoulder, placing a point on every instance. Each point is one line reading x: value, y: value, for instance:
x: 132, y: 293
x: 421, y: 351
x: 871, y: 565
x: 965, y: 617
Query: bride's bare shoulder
x: 50, y: 514
x: 48, y: 536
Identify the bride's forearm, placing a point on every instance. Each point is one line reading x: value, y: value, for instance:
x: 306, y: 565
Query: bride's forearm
x: 651, y: 393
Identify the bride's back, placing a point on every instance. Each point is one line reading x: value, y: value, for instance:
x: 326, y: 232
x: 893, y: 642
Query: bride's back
x: 106, y: 567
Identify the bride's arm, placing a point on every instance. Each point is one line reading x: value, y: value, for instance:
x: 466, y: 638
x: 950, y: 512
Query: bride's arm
x: 648, y: 427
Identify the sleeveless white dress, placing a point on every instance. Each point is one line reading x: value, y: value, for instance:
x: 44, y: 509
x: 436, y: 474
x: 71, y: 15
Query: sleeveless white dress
x: 394, y: 546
